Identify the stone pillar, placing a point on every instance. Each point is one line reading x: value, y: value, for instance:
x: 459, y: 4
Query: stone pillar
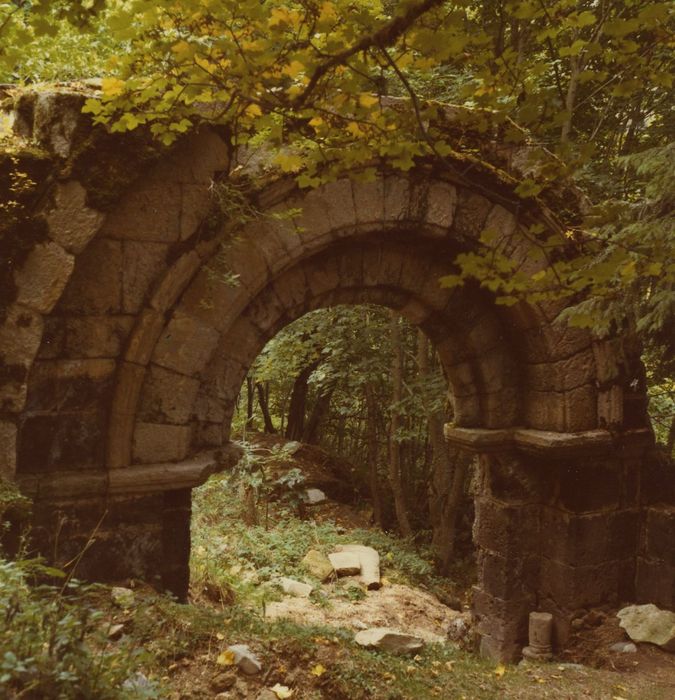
x: 176, y: 542
x: 589, y: 537
x: 506, y: 532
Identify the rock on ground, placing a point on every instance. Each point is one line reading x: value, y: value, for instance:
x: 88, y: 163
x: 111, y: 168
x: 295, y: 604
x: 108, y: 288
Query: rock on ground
x: 295, y: 588
x: 389, y: 640
x: 313, y: 497
x: 647, y: 623
x: 318, y: 565
x: 245, y: 659
x: 122, y: 597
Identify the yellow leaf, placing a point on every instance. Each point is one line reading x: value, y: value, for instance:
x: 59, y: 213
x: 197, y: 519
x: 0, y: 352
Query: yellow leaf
x: 254, y: 110
x: 500, y: 670
x: 226, y: 658
x: 318, y: 670
x: 367, y: 100
x: 220, y: 636
x: 289, y: 162
x: 112, y: 87
x: 282, y: 691
x: 293, y: 68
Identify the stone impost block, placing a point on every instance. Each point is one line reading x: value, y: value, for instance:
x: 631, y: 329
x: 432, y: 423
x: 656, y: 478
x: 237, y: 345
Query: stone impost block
x: 43, y: 276
x: 156, y: 442
x: 7, y: 449
x: 71, y: 223
x: 185, y: 345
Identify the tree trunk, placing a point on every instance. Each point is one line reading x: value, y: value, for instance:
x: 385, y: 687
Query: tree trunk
x: 372, y: 453
x: 264, y: 407
x: 295, y: 425
x: 250, y: 397
x: 317, y: 416
x: 394, y: 425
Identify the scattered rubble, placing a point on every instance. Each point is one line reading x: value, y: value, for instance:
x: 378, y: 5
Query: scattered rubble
x: 389, y: 640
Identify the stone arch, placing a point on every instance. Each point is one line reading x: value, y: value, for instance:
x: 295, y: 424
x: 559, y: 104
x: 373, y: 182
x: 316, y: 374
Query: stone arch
x: 132, y: 309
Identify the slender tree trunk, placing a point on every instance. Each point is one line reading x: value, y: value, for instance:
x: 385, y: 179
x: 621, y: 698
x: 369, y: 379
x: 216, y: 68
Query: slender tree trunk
x: 394, y: 425
x: 318, y: 415
x: 372, y: 452
x: 264, y: 407
x: 296, y: 410
x: 250, y: 398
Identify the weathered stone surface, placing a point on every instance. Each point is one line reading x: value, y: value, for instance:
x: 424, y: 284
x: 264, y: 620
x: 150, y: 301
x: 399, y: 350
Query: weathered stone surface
x: 185, y: 345
x: 147, y: 213
x: 646, y: 623
x: 149, y: 325
x: 318, y: 565
x: 441, y: 202
x: 369, y: 561
x: 96, y: 284
x: 96, y: 336
x: 43, y: 276
x: 71, y: 223
x: 55, y: 119
x: 168, y: 397
x: 245, y: 659
x: 20, y: 336
x: 314, y: 496
x: 155, y: 442
x: 143, y: 264
x: 389, y: 640
x: 174, y: 281
x: 295, y: 588
x: 7, y: 449
x: 345, y: 563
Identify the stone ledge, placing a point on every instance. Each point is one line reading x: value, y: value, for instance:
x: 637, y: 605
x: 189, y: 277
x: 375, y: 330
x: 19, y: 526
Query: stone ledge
x: 543, y: 442
x: 132, y: 480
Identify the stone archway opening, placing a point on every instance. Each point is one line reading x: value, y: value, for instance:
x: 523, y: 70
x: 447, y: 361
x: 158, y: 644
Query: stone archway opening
x: 328, y: 379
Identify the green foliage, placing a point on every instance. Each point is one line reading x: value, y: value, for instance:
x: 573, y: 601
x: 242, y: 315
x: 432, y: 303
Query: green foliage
x: 53, y: 642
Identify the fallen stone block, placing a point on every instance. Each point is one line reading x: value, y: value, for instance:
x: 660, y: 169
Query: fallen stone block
x: 369, y: 560
x: 388, y: 640
x: 647, y: 623
x: 345, y: 563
